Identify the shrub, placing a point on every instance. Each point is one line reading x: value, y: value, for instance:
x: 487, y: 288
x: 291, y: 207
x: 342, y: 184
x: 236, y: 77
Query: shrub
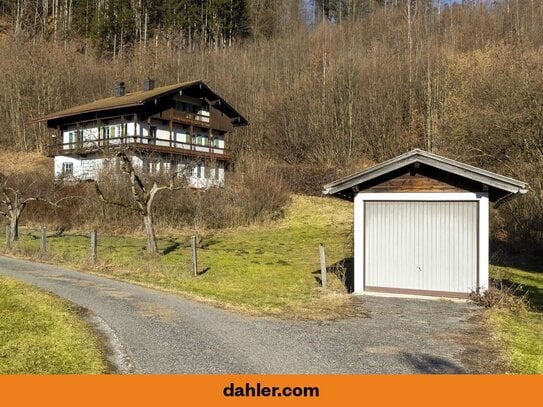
x: 502, y: 294
x: 254, y: 192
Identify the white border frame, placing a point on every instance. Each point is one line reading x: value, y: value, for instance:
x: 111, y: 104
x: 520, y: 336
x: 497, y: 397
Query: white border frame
x: 483, y: 226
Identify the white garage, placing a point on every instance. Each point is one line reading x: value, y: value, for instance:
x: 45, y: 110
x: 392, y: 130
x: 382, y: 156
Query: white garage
x: 421, y: 224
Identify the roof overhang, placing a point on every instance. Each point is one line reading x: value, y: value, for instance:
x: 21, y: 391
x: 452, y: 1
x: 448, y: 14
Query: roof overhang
x: 139, y: 99
x: 503, y: 188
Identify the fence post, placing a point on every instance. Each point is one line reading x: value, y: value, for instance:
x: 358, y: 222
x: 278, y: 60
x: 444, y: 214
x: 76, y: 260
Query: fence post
x: 94, y: 246
x: 323, y: 265
x: 43, y: 240
x: 8, y: 235
x: 193, y: 240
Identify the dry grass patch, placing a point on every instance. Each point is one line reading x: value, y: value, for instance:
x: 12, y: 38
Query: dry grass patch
x: 24, y: 162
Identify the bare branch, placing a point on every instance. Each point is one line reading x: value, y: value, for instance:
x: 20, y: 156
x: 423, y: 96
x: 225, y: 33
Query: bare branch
x: 65, y: 199
x: 111, y: 201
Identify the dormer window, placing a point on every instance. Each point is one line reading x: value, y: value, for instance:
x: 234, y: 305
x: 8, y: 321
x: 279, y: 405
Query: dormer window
x: 182, y: 106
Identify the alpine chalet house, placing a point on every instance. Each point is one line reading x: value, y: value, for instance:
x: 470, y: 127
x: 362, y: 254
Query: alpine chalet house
x: 181, y: 127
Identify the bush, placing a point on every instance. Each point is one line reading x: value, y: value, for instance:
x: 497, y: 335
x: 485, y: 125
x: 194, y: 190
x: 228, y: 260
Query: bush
x: 306, y: 179
x: 253, y: 193
x: 502, y: 294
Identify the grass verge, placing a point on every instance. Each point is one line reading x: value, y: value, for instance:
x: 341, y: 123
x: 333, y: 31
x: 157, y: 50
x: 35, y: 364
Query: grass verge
x: 41, y: 334
x: 265, y: 269
x: 521, y: 333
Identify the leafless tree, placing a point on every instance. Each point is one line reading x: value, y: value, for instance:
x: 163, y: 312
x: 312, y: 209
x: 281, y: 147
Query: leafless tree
x: 143, y: 191
x: 17, y: 191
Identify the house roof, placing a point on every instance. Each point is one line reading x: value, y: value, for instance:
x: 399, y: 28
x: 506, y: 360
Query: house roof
x: 501, y: 187
x: 139, y: 98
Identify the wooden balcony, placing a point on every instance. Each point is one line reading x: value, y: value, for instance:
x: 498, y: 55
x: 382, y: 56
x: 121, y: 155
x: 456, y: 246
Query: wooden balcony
x: 187, y: 118
x: 191, y: 119
x: 136, y: 143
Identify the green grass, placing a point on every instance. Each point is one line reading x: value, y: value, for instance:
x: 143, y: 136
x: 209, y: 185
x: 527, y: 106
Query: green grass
x: 266, y: 268
x: 272, y: 269
x: 521, y: 333
x: 41, y: 334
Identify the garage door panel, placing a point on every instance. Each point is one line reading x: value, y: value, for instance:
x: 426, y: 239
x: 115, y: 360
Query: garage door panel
x: 427, y: 246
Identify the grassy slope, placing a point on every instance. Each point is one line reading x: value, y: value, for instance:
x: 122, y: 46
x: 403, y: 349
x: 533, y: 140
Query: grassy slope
x: 522, y: 334
x: 40, y: 334
x: 270, y: 269
x: 265, y: 269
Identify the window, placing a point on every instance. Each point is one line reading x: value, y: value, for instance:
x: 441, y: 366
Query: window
x: 199, y: 170
x: 174, y: 165
x: 218, y: 140
x: 67, y: 168
x: 186, y: 107
x: 154, y: 167
x: 71, y: 139
x: 152, y: 135
x: 79, y: 137
x: 199, y: 140
x: 217, y: 172
x: 207, y: 172
x: 113, y: 132
x: 179, y: 136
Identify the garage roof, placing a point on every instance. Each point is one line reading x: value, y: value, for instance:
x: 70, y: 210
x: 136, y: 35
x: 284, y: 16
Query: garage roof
x: 500, y: 187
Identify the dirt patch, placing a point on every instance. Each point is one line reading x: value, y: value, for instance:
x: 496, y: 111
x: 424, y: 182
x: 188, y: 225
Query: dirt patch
x: 149, y: 309
x: 482, y: 354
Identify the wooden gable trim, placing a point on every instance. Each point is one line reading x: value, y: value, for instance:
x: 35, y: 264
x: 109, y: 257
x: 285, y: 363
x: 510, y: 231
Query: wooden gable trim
x: 422, y: 179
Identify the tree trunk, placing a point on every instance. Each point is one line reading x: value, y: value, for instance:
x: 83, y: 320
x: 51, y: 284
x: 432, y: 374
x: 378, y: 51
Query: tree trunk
x: 13, y: 227
x: 150, y: 233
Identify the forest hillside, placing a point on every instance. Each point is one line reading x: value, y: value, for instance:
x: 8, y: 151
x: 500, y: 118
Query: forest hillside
x: 328, y: 86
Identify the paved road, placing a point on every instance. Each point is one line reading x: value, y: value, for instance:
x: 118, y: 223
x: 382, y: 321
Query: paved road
x: 156, y: 332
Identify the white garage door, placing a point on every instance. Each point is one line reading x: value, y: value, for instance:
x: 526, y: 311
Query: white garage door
x: 424, y: 247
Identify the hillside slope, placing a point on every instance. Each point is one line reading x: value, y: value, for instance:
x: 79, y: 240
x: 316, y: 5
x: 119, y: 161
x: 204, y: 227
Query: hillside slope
x: 270, y: 268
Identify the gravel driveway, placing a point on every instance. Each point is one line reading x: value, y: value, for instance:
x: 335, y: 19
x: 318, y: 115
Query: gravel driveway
x: 155, y: 332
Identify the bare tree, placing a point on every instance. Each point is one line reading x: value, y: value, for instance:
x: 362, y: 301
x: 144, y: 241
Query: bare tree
x: 143, y: 193
x: 16, y: 192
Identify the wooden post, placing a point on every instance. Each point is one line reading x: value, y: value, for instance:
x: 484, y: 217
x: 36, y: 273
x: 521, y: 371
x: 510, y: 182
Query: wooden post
x: 100, y: 132
x: 94, y: 245
x: 8, y: 235
x: 170, y: 127
x: 123, y: 134
x: 135, y: 139
x: 323, y: 265
x: 43, y: 240
x: 193, y: 240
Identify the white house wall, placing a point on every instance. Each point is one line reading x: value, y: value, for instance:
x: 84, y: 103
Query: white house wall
x: 83, y: 168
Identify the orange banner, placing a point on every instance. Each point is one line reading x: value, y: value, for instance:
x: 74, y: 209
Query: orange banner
x: 219, y: 390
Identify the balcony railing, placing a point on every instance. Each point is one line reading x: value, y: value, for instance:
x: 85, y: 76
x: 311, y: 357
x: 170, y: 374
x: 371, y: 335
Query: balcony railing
x: 183, y: 115
x: 149, y: 144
